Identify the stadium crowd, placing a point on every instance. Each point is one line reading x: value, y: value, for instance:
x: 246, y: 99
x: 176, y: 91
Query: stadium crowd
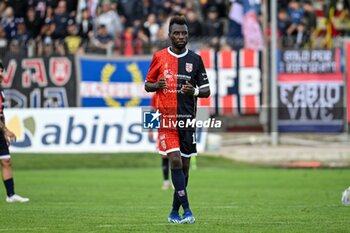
x: 312, y: 24
x: 127, y: 27
x: 133, y: 27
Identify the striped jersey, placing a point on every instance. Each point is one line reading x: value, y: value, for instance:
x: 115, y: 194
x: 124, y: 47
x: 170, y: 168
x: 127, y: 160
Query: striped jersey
x: 177, y: 69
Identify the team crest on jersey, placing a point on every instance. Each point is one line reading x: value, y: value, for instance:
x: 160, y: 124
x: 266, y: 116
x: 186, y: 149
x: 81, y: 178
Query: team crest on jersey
x: 162, y: 141
x: 189, y: 67
x: 163, y: 144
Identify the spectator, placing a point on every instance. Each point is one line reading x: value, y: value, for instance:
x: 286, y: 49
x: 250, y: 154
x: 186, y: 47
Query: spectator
x: 110, y: 19
x: 294, y: 27
x: 9, y: 23
x: 102, y: 41
x: 194, y: 30
x: 220, y: 6
x: 114, y: 4
x: 22, y: 35
x: 85, y: 26
x: 310, y: 18
x: 235, y: 35
x: 143, y: 44
x: 147, y: 7
x: 194, y: 25
x: 90, y: 5
x: 161, y: 42
x: 295, y: 11
x: 15, y: 48
x: 33, y: 23
x: 152, y: 27
x: 60, y: 20
x: 168, y: 7
x: 73, y: 42
x: 50, y: 13
x: 59, y: 49
x: 283, y: 24
x: 164, y: 20
x: 130, y: 9
x: 133, y: 42
x: 40, y: 7
x: 71, y: 5
x: 47, y: 47
x: 126, y: 42
x: 213, y: 27
x: 46, y: 33
x: 302, y: 36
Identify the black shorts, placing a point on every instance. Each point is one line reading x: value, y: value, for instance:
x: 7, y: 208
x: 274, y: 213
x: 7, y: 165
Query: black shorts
x: 188, y: 144
x: 4, y: 149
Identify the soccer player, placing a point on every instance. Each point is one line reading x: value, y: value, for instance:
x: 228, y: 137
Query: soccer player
x: 6, y: 137
x: 178, y: 77
x: 165, y: 161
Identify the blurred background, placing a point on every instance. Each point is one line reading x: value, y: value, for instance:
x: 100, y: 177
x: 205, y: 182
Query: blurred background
x: 75, y: 71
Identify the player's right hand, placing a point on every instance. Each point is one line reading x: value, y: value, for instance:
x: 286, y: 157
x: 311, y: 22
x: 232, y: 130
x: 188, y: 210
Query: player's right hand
x: 161, y: 84
x: 9, y: 136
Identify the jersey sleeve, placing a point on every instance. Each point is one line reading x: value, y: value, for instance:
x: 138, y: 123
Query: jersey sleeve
x: 152, y: 75
x: 202, y: 78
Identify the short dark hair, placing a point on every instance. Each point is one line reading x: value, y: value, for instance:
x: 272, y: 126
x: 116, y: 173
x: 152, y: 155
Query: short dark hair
x: 1, y: 66
x: 181, y: 20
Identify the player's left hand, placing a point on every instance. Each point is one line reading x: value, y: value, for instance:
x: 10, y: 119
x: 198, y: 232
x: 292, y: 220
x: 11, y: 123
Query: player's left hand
x: 187, y: 89
x: 9, y: 136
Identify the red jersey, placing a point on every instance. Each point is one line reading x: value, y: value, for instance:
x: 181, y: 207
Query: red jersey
x: 177, y: 69
x: 154, y: 101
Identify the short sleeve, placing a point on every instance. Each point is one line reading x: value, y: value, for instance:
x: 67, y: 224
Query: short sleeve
x: 202, y: 78
x: 152, y: 75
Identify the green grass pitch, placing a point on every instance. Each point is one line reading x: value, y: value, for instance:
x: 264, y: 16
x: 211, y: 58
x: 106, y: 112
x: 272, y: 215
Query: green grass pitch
x: 121, y: 193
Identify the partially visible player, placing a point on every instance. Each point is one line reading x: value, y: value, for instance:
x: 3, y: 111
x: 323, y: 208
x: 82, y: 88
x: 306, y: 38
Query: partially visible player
x: 165, y: 161
x: 6, y: 137
x: 178, y: 77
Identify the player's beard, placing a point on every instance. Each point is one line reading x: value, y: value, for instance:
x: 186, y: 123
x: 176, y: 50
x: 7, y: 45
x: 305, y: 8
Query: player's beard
x: 179, y: 46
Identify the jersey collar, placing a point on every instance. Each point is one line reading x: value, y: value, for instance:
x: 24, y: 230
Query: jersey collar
x: 177, y: 55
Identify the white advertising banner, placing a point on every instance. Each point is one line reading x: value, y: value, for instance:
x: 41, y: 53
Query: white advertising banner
x: 82, y: 130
